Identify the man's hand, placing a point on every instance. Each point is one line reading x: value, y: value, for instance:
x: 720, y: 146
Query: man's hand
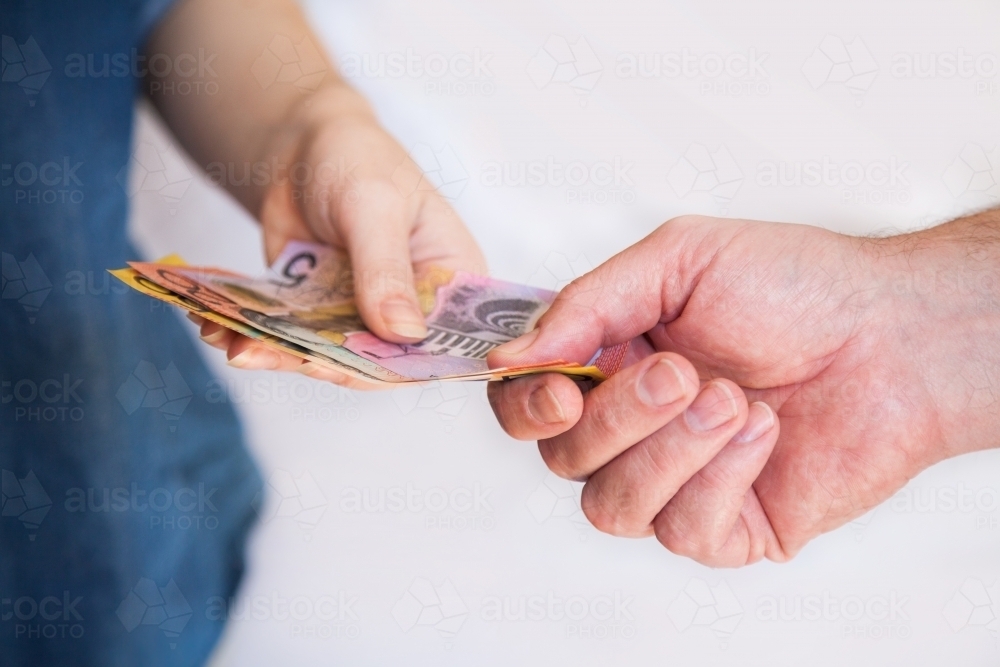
x: 879, y: 358
x: 312, y: 164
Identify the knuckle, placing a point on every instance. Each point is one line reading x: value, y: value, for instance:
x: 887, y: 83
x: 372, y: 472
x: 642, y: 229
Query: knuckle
x: 676, y: 540
x: 689, y: 220
x: 560, y: 460
x: 612, y: 513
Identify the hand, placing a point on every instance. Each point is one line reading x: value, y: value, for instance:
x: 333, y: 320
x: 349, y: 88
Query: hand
x: 879, y: 358
x: 320, y: 167
x: 363, y: 195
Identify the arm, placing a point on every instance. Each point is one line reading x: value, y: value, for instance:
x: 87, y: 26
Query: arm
x: 878, y: 357
x: 354, y: 187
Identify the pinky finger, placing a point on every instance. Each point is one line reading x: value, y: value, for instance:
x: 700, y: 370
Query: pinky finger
x: 716, y: 518
x: 319, y: 372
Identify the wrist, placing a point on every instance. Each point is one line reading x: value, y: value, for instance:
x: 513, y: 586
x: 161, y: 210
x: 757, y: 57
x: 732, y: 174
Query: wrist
x: 944, y: 304
x: 287, y: 144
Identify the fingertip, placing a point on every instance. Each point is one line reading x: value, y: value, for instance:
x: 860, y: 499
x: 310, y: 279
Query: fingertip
x: 536, y: 407
x: 402, y: 320
x: 761, y: 421
x: 214, y: 334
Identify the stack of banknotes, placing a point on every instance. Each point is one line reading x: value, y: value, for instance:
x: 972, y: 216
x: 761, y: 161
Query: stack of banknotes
x: 304, y: 305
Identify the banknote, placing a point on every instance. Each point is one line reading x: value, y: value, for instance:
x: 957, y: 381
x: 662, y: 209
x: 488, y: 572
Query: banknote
x: 141, y: 284
x: 306, y: 301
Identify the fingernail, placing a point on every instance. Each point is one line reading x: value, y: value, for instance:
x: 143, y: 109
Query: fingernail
x: 255, y: 358
x: 760, y: 420
x: 543, y: 406
x: 661, y: 384
x: 215, y: 336
x: 713, y: 407
x: 318, y: 372
x: 402, y: 318
x: 518, y: 345
x: 197, y: 319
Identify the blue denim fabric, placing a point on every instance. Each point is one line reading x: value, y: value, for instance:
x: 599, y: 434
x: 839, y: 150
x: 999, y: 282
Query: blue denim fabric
x: 127, y: 491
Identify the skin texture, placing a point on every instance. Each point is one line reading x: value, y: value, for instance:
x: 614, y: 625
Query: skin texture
x: 363, y: 194
x: 878, y: 358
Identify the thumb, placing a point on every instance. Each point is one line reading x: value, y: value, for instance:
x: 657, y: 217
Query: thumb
x: 281, y: 221
x: 628, y: 295
x: 377, y: 234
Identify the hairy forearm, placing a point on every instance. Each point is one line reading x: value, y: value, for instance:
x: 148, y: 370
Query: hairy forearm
x: 243, y: 119
x: 945, y: 288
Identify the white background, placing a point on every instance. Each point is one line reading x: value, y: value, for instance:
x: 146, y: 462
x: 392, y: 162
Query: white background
x: 928, y: 554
